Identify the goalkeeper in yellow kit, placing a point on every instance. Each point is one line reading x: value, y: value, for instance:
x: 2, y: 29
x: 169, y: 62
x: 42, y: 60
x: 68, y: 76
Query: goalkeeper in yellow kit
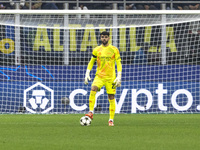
x: 106, y: 55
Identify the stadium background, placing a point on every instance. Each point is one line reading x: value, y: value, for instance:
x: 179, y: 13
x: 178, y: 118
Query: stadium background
x: 44, y: 62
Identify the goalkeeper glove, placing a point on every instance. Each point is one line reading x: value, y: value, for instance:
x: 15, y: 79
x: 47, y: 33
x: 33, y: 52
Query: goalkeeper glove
x: 117, y: 81
x: 87, y: 76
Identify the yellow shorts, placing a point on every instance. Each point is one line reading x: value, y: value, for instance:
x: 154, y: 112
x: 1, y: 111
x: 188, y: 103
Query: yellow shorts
x: 109, y: 85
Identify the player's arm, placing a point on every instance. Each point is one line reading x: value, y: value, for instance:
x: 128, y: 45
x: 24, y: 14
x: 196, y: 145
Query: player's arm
x: 89, y: 67
x: 117, y: 81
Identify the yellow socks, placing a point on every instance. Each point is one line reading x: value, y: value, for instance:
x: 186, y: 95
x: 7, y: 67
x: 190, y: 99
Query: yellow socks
x: 92, y: 100
x: 112, y: 108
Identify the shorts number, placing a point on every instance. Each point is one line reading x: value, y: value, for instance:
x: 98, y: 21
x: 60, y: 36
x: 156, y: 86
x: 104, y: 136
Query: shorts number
x: 113, y: 86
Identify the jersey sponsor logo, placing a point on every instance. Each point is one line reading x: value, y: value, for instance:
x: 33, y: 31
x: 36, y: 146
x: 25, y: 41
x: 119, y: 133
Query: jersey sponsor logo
x: 104, y: 58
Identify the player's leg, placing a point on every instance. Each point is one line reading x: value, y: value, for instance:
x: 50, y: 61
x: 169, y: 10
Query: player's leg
x: 111, y: 90
x: 92, y: 101
x: 93, y: 92
x: 111, y: 109
x: 96, y: 85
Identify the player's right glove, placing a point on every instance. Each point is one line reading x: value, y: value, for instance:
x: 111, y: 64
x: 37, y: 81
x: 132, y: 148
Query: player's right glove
x: 87, y: 76
x: 118, y: 79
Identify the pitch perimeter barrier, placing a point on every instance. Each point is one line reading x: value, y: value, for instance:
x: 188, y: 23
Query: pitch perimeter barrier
x: 141, y: 91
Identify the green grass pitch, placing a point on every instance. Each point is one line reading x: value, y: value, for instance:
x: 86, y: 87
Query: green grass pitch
x: 131, y: 132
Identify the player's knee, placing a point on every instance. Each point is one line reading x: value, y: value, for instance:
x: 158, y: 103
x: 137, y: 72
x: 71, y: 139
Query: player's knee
x: 111, y: 96
x: 94, y: 88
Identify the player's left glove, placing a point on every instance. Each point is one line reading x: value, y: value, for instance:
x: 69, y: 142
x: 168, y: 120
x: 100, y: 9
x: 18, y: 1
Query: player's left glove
x: 87, y: 76
x: 117, y: 81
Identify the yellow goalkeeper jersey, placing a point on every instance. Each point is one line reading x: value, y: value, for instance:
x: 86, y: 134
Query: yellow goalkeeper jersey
x: 106, y: 58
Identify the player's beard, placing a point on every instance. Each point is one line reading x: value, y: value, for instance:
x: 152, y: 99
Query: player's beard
x: 104, y: 42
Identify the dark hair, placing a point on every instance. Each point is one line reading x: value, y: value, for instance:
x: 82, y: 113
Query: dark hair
x: 105, y: 33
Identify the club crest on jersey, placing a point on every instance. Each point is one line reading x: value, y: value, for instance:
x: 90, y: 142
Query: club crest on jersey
x: 38, y: 98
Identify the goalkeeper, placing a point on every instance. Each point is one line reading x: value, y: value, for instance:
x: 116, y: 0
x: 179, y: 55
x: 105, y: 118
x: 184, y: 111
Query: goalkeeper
x: 106, y: 55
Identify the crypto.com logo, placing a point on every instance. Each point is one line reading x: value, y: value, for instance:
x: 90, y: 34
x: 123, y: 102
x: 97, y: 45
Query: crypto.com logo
x: 38, y: 98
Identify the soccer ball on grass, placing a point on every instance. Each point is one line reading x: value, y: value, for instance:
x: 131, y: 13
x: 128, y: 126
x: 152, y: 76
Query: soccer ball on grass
x: 85, y: 121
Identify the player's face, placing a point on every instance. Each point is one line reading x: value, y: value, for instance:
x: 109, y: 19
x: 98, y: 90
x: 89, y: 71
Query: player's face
x: 105, y: 39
